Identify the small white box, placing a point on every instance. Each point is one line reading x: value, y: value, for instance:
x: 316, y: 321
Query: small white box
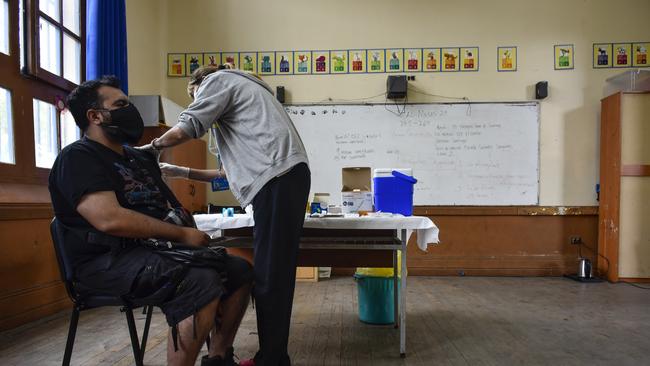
x: 352, y: 202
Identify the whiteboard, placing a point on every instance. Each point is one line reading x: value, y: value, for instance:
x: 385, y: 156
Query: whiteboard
x: 461, y: 153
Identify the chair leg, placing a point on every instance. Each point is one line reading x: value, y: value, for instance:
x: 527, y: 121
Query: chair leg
x: 72, y: 332
x: 145, y: 332
x: 133, y: 332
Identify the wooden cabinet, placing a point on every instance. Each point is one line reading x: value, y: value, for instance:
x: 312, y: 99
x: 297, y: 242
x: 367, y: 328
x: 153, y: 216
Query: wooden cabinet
x: 623, y: 229
x: 191, y: 194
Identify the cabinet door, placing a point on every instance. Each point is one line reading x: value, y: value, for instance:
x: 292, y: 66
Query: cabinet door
x: 191, y: 194
x: 634, y: 231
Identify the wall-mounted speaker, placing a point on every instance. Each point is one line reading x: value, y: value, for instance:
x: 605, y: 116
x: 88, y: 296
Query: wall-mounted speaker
x: 541, y: 90
x: 396, y: 86
x: 279, y: 93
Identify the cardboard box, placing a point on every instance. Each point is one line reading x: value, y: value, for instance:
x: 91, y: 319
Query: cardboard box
x: 356, y: 194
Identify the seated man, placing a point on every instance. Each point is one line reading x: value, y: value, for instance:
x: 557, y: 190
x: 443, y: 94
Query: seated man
x: 99, y: 184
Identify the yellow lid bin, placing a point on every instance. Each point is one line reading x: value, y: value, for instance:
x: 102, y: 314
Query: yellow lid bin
x: 381, y: 272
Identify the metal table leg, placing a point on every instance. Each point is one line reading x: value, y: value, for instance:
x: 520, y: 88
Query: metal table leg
x: 395, y: 293
x: 402, y: 307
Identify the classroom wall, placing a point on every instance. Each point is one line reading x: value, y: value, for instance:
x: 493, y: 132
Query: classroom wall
x: 569, y: 122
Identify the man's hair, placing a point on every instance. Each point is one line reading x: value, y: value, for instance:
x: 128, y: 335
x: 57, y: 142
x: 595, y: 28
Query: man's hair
x: 85, y: 97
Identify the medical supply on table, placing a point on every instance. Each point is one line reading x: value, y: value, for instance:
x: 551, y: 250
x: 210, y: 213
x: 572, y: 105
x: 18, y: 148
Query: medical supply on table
x: 393, y: 190
x: 334, y: 210
x: 316, y: 208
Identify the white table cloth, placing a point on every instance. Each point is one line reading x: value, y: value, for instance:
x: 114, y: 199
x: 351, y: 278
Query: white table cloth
x: 427, y: 231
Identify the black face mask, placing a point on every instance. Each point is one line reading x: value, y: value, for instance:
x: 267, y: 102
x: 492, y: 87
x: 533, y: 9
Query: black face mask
x: 126, y: 125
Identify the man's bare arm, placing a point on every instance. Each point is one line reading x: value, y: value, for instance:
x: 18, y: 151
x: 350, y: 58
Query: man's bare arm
x: 103, y: 211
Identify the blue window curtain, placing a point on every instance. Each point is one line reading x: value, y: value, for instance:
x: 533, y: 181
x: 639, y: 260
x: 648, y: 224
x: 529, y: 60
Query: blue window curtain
x: 106, y: 40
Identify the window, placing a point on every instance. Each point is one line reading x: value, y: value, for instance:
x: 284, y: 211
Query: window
x: 46, y: 141
x: 49, y: 136
x: 59, y: 41
x: 4, y: 27
x: 69, y: 130
x: 7, y: 153
x: 44, y: 39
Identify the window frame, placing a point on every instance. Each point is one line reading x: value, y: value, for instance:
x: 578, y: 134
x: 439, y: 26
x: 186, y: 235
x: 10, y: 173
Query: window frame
x: 32, y: 42
x: 25, y: 86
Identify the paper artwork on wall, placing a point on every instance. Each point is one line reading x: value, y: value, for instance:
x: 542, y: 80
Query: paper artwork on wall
x: 602, y: 55
x: 176, y: 64
x: 622, y: 54
x: 302, y: 62
x: 357, y: 61
x: 469, y: 59
x: 212, y: 59
x: 394, y: 60
x: 507, y: 58
x: 320, y: 62
x: 231, y: 58
x: 266, y: 63
x: 563, y: 56
x: 284, y: 63
x: 640, y: 54
x: 450, y: 60
x: 376, y: 59
x: 431, y: 59
x: 413, y: 59
x: 193, y: 62
x: 339, y: 61
x: 248, y: 61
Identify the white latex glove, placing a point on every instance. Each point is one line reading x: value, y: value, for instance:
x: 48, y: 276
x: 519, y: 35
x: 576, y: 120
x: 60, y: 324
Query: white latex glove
x: 174, y: 171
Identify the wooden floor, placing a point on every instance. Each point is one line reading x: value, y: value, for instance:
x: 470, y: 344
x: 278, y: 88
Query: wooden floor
x: 451, y: 321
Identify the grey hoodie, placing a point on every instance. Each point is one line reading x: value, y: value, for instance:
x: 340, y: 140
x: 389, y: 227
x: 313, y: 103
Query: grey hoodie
x: 256, y: 139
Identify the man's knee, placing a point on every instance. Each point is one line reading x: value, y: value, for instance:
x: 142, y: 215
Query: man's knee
x: 239, y: 273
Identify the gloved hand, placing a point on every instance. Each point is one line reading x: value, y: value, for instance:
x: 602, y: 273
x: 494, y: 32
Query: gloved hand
x: 151, y: 150
x: 174, y: 171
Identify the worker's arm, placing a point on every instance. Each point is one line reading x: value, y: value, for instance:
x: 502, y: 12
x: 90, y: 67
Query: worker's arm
x: 204, y: 175
x: 103, y: 211
x: 174, y: 136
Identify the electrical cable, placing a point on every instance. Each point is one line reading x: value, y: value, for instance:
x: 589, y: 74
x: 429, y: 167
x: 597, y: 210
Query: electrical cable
x: 466, y: 99
x: 352, y: 100
x: 608, y: 265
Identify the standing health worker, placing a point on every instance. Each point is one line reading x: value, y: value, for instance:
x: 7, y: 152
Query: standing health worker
x: 266, y: 164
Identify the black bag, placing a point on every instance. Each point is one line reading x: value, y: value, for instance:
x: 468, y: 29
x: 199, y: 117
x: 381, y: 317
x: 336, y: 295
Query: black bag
x: 212, y: 257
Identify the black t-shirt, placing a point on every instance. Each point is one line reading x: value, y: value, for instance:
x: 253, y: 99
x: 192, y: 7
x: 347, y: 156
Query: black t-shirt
x: 86, y: 166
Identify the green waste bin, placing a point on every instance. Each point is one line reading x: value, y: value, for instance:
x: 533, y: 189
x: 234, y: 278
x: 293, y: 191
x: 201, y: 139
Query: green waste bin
x: 376, y: 301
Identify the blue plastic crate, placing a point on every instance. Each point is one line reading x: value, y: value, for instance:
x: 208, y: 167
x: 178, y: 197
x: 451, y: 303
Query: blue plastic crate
x: 394, y: 194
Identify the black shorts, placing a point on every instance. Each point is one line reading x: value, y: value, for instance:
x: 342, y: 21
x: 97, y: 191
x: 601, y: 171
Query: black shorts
x: 181, y: 291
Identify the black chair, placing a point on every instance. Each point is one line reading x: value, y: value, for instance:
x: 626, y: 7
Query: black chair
x: 82, y: 302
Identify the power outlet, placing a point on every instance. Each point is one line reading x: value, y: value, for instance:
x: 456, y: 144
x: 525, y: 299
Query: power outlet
x: 575, y: 239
